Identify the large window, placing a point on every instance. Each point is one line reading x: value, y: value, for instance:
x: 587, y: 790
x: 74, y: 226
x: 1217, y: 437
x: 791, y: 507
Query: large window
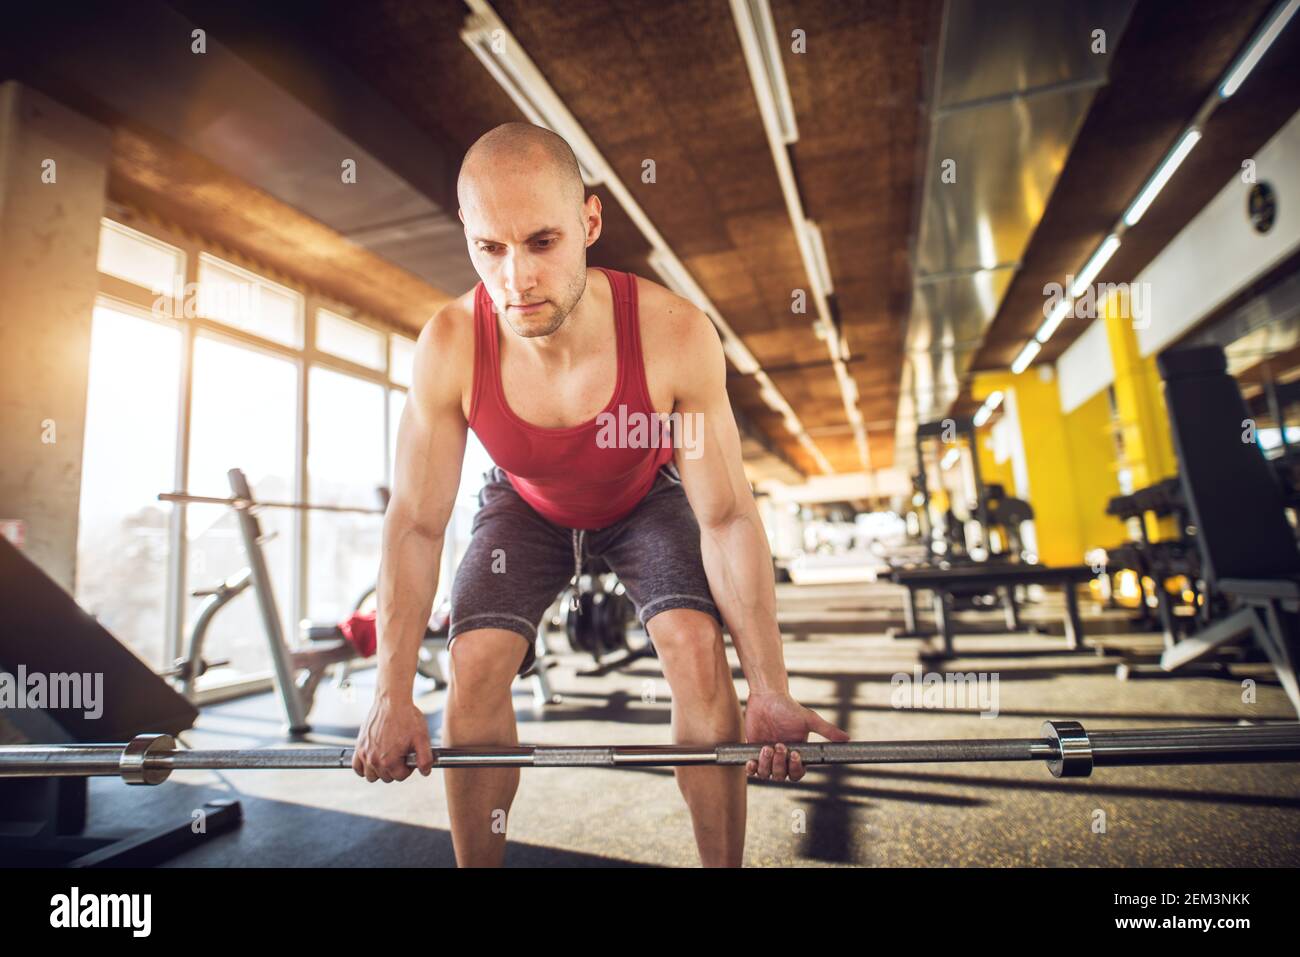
x: 128, y: 458
x: 401, y: 356
x: 139, y: 259
x: 350, y: 340
x: 345, y: 466
x: 242, y: 299
x: 472, y: 473
x: 244, y: 416
x: 297, y: 391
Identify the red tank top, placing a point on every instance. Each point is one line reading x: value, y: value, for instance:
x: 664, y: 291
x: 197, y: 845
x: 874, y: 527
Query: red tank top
x: 588, y: 476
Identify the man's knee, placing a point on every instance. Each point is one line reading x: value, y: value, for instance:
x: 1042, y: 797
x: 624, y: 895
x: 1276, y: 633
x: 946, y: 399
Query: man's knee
x: 688, y: 642
x: 484, y: 662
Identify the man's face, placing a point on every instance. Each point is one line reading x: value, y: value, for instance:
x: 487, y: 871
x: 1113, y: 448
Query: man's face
x: 528, y: 242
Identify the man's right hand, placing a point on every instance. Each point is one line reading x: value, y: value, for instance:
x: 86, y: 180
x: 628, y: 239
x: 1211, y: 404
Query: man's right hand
x: 393, y: 729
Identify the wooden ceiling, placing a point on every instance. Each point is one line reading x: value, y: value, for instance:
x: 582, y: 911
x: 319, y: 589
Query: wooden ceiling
x: 668, y: 82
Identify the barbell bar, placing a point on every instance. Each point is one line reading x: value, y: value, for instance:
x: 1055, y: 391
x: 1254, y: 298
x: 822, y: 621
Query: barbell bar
x: 1065, y: 746
x: 247, y: 503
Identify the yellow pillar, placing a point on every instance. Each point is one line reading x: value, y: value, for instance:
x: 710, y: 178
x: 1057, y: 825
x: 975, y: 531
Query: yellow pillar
x: 1090, y: 436
x: 1147, y: 454
x: 1063, y: 465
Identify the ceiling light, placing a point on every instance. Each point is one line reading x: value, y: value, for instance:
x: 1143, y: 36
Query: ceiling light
x: 1166, y: 169
x: 1054, y: 320
x: 1258, y: 47
x: 755, y: 25
x: 1093, y: 266
x: 990, y: 404
x: 819, y: 255
x: 1031, y: 349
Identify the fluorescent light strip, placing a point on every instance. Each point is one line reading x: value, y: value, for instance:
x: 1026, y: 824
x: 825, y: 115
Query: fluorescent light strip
x: 987, y: 409
x: 1167, y: 168
x: 774, y: 68
x: 950, y: 459
x: 1054, y: 320
x: 1258, y: 47
x: 819, y: 254
x: 753, y: 19
x: 1094, y: 266
x: 771, y: 398
x: 822, y: 462
x: 1027, y: 354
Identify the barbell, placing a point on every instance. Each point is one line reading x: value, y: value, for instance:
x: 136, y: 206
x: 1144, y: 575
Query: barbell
x: 1065, y: 746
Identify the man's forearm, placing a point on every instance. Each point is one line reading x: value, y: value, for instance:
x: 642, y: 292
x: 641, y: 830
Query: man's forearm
x: 738, y: 564
x: 408, y: 580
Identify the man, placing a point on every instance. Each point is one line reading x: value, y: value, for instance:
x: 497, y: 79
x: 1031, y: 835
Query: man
x: 548, y: 362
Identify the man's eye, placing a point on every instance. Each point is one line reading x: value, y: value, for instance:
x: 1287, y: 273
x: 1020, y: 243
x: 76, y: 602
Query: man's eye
x: 545, y: 243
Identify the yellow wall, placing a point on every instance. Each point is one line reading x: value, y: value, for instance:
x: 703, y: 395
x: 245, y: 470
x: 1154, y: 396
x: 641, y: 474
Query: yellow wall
x: 1069, y: 460
x: 1139, y: 402
x: 992, y: 472
x: 1073, y: 463
x: 1091, y: 443
x: 1140, y: 405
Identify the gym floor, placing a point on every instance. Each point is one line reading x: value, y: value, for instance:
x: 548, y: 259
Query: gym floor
x: 841, y: 663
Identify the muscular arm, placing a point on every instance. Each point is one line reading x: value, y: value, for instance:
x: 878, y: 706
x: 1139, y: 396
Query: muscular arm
x: 430, y: 450
x: 735, y: 547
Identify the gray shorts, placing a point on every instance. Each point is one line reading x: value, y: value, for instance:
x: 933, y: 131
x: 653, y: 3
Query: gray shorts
x: 518, y: 562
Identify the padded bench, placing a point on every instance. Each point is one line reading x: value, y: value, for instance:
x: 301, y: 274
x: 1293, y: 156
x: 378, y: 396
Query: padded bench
x: 943, y: 583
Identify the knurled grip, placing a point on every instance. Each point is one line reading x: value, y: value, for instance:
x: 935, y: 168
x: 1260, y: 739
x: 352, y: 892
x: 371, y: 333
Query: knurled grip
x: 573, y: 757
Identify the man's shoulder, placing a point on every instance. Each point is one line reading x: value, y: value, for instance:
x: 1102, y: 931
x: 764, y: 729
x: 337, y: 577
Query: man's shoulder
x: 445, y: 351
x: 679, y: 342
x: 460, y: 309
x: 664, y: 314
x: 453, y: 322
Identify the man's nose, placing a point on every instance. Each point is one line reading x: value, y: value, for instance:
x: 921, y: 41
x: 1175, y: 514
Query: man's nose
x: 520, y: 276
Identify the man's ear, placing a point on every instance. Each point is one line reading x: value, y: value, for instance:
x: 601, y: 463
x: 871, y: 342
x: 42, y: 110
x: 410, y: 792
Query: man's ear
x: 461, y: 213
x: 592, y: 208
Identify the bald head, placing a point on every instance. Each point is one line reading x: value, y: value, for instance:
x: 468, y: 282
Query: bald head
x: 521, y: 149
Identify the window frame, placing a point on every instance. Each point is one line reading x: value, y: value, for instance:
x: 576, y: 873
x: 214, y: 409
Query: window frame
x: 117, y: 293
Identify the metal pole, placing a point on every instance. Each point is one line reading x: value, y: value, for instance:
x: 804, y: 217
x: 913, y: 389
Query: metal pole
x: 1066, y: 747
x: 264, y: 591
x: 239, y: 502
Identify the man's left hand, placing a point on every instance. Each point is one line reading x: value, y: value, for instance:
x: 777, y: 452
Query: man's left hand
x: 772, y: 718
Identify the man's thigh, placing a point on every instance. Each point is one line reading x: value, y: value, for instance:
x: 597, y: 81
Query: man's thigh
x: 655, y: 552
x: 515, y: 565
